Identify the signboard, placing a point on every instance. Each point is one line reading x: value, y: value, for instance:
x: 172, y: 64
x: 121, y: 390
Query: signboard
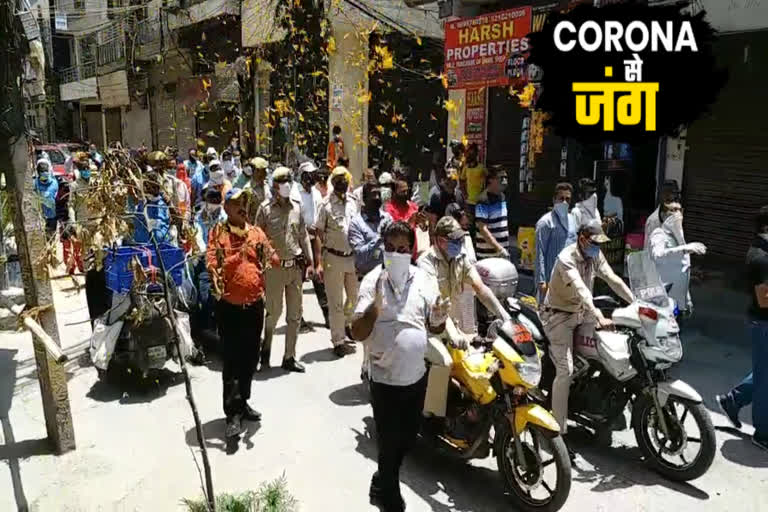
x: 60, y: 21
x: 477, y: 49
x: 475, y: 119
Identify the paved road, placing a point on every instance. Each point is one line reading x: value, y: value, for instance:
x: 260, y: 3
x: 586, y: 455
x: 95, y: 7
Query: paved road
x: 135, y: 445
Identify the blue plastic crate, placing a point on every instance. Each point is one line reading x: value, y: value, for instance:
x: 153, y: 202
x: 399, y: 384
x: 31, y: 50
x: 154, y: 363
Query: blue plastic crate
x: 117, y: 264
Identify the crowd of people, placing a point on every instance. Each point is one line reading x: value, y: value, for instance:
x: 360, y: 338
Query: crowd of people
x: 390, y: 260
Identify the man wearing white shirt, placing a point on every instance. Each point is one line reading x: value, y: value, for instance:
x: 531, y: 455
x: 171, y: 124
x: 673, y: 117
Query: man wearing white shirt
x: 669, y: 192
x: 310, y: 198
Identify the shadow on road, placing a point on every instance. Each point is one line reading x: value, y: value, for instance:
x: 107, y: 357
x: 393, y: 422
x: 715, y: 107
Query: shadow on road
x: 356, y: 394
x: 324, y: 355
x: 743, y: 452
x: 130, y: 388
x: 609, y: 467
x: 214, y: 436
x: 429, y: 474
x: 12, y: 450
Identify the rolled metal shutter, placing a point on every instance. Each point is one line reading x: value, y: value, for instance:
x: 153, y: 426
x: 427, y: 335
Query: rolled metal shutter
x: 726, y: 166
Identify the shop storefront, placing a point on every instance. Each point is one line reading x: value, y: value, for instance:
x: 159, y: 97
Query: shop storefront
x: 725, y: 176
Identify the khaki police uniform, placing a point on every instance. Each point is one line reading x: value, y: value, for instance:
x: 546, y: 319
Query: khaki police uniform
x: 332, y: 226
x: 258, y: 194
x: 568, y: 310
x: 452, y: 278
x: 283, y: 224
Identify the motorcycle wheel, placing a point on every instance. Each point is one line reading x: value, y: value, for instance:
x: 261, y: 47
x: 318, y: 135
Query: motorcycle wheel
x: 656, y: 447
x: 527, y: 487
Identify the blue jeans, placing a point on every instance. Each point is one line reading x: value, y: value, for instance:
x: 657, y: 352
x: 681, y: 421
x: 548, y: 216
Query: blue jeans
x: 754, y: 388
x: 204, y: 318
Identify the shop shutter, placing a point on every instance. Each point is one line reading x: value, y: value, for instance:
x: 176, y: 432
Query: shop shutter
x: 726, y: 176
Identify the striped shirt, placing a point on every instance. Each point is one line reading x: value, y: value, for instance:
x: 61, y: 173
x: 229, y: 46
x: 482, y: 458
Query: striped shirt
x: 492, y: 213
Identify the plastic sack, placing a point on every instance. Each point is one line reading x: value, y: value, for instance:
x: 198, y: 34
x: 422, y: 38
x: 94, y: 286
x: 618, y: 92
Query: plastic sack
x: 186, y: 343
x: 103, y: 342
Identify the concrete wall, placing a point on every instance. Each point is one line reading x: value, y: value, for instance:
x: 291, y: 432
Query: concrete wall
x: 347, y: 70
x: 136, y: 126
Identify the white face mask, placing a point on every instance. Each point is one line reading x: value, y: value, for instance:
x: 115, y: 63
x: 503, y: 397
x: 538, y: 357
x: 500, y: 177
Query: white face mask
x: 674, y: 225
x: 561, y: 210
x: 248, y: 170
x: 284, y: 189
x: 212, y: 208
x: 386, y: 194
x: 398, y: 267
x: 227, y: 165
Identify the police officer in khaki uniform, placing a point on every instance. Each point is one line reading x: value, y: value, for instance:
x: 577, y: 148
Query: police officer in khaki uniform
x: 568, y: 310
x: 280, y: 218
x: 336, y: 261
x: 255, y: 183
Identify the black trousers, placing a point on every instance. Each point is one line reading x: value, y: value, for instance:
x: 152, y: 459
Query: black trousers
x: 322, y: 298
x: 397, y: 412
x: 97, y: 295
x: 240, y: 332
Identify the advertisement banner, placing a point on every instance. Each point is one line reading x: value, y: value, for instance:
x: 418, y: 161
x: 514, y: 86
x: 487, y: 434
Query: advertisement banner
x: 475, y: 119
x: 477, y: 49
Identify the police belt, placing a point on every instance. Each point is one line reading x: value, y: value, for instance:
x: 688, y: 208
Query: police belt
x: 340, y: 254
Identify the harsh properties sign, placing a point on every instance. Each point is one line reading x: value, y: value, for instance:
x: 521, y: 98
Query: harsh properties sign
x: 477, y: 49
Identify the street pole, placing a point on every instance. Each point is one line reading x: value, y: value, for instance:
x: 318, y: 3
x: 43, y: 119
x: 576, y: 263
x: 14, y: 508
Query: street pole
x: 28, y: 228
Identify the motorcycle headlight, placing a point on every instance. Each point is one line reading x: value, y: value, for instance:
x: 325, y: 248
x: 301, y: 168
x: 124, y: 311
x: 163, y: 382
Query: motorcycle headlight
x: 530, y: 373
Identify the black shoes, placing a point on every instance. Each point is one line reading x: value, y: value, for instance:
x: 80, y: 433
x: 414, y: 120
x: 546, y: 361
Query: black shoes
x: 305, y: 327
x: 234, y: 427
x: 251, y: 414
x: 378, y: 497
x: 730, y: 409
x: 292, y: 365
x: 343, y: 350
x: 571, y: 453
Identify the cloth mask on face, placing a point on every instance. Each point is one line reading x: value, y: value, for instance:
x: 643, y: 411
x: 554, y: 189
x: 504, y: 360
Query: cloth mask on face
x: 386, y: 194
x: 85, y: 174
x: 453, y: 248
x: 227, y: 165
x: 561, y: 211
x: 155, y: 198
x: 248, y: 171
x: 592, y: 251
x: 284, y: 189
x: 341, y: 187
x: 398, y: 266
x: 43, y: 176
x: 674, y: 226
x: 212, y: 208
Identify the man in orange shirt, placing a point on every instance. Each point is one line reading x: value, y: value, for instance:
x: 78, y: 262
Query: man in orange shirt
x: 237, y: 256
x: 336, y: 150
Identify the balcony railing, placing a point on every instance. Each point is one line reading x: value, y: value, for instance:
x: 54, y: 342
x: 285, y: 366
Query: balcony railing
x: 112, y: 51
x: 148, y: 30
x: 78, y: 73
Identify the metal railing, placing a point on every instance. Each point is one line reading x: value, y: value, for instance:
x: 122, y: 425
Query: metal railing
x: 78, y: 73
x: 148, y: 30
x: 110, y: 52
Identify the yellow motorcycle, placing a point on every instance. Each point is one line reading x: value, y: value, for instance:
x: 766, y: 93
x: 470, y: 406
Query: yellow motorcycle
x: 489, y: 407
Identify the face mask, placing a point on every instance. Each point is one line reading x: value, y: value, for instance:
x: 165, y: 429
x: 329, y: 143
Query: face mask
x: 248, y: 171
x: 284, y: 189
x: 386, y: 195
x: 85, y: 174
x: 227, y: 165
x: 43, y: 176
x: 592, y: 251
x: 453, y: 248
x: 561, y: 210
x: 674, y: 225
x: 155, y: 198
x: 398, y: 266
x: 373, y: 205
x: 211, y: 208
x: 341, y: 187
x: 241, y: 232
